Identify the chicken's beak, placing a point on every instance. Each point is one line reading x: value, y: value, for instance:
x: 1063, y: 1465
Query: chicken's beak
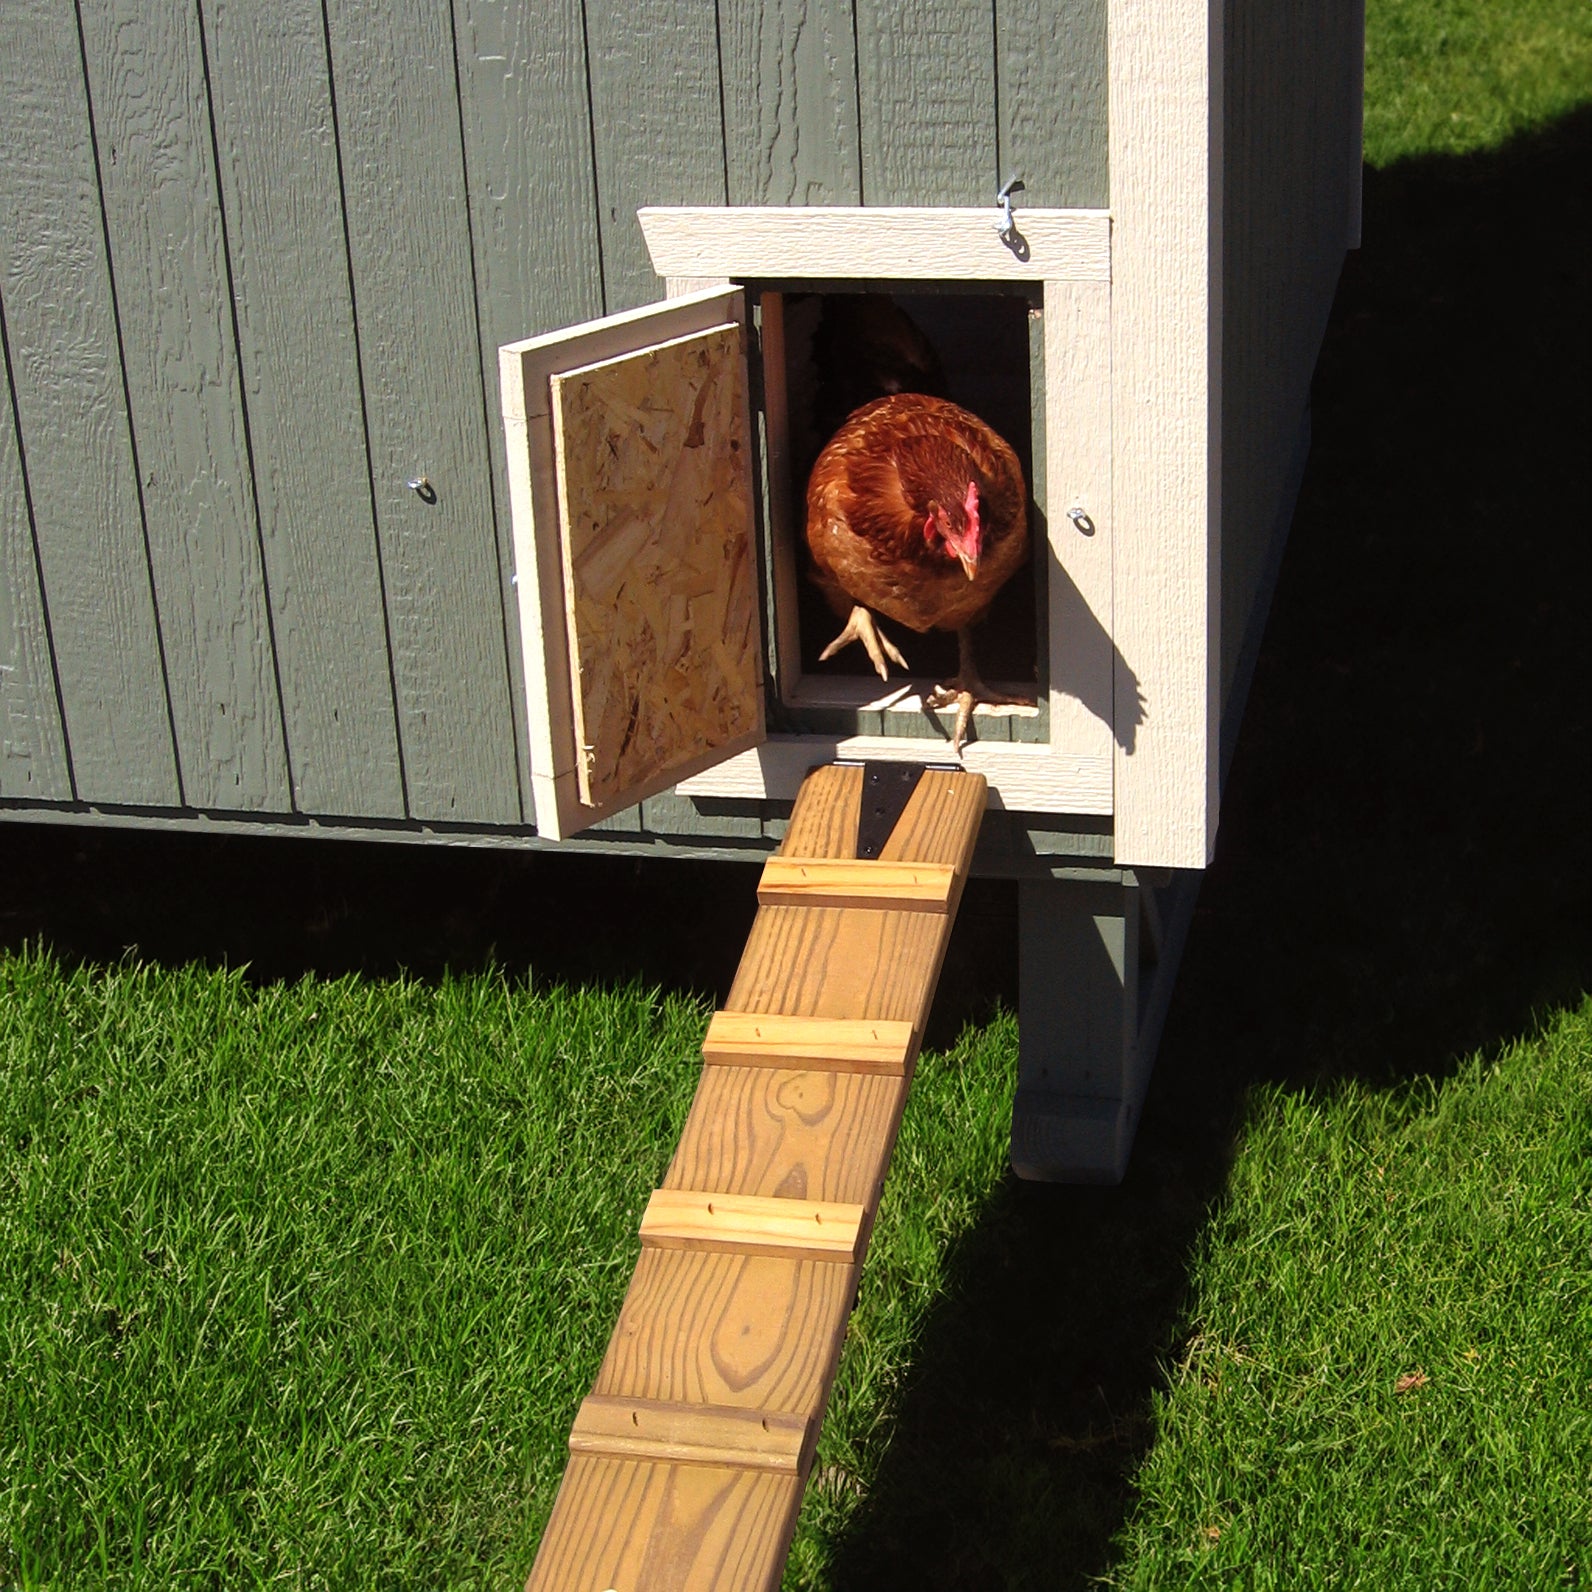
x: 969, y: 563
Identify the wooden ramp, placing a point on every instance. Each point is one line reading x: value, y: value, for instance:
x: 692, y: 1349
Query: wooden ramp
x: 687, y: 1461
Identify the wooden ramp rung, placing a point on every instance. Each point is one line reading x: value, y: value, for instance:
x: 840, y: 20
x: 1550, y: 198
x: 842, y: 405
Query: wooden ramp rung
x: 832, y: 1044
x: 845, y: 882
x: 687, y: 1462
x: 693, y: 1434
x: 754, y: 1224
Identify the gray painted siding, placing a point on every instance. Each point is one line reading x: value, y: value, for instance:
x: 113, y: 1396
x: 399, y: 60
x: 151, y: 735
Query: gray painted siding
x: 145, y: 66
x: 255, y: 266
x: 1289, y: 165
x: 76, y: 442
x: 32, y: 748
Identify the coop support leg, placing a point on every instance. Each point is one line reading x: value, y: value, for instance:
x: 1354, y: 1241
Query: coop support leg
x: 1096, y: 965
x: 1078, y: 951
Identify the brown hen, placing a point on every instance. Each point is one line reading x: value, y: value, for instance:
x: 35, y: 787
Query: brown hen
x: 916, y: 510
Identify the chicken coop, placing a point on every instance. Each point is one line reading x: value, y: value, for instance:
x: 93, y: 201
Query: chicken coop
x: 334, y: 332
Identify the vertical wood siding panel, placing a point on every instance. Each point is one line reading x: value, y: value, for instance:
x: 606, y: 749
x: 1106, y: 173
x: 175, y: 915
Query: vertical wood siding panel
x: 790, y: 102
x: 658, y: 127
x: 1289, y: 73
x: 33, y: 761
x: 55, y: 286
x: 533, y: 219
x: 1052, y: 64
x: 279, y: 186
x: 146, y: 77
x: 409, y: 240
x: 926, y: 76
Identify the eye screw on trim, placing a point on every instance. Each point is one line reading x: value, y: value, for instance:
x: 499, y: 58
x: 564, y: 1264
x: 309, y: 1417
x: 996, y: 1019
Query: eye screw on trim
x: 1082, y: 521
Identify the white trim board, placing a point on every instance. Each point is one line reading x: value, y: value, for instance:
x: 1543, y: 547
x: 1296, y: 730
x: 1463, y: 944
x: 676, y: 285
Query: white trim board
x: 1022, y: 778
x: 884, y: 243
x: 1165, y: 112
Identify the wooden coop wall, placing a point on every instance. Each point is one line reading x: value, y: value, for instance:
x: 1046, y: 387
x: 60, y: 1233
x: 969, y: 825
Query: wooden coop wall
x: 255, y: 265
x: 1290, y: 210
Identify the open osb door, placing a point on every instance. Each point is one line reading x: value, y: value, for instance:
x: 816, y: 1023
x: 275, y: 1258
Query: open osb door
x: 630, y: 464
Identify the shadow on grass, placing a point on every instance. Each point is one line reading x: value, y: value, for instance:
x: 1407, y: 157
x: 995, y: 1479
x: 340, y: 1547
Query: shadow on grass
x: 1403, y: 874
x: 1403, y: 870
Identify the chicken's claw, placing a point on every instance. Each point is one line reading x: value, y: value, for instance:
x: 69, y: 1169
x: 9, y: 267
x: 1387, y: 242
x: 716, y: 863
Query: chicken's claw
x: 967, y: 689
x: 861, y: 626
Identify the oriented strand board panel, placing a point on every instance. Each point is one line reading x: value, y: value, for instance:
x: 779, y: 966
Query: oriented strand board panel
x: 146, y: 73
x: 58, y: 301
x: 271, y: 96
x: 789, y: 69
x: 655, y: 503
x: 32, y: 748
x: 414, y: 302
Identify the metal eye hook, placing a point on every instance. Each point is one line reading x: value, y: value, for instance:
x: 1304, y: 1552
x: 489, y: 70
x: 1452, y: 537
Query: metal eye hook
x: 1007, y: 225
x: 422, y: 488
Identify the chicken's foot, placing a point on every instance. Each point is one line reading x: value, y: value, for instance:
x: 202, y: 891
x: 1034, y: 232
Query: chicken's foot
x: 966, y: 690
x: 861, y: 626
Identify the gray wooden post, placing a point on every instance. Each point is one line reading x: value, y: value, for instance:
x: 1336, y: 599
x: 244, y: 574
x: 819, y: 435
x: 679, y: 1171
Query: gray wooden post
x: 1096, y: 965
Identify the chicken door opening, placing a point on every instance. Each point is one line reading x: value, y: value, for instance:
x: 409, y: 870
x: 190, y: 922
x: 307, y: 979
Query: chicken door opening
x: 927, y: 524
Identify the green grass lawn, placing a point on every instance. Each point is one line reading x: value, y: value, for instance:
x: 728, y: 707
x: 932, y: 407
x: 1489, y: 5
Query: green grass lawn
x: 301, y: 1280
x: 1386, y: 1373
x: 302, y: 1284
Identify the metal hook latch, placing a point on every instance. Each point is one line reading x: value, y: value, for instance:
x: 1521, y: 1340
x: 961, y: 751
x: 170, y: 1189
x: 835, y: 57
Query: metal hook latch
x: 1081, y: 520
x: 1006, y: 227
x: 422, y: 488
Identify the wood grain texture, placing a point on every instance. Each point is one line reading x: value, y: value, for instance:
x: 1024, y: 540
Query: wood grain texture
x: 527, y: 370
x: 827, y: 882
x: 1165, y: 77
x: 796, y: 1133
x: 280, y: 187
x: 904, y: 242
x: 414, y: 300
x: 766, y: 1153
x: 655, y: 508
x: 746, y: 1039
x: 146, y: 73
x: 692, y: 1434
x: 619, y: 1524
x: 33, y: 760
x: 754, y: 1331
x: 60, y: 317
x: 533, y: 220
x: 790, y: 102
x: 657, y: 126
x: 1051, y: 62
x: 754, y: 1224
x: 926, y: 77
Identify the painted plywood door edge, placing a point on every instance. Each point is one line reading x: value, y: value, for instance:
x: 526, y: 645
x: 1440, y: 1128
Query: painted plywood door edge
x: 525, y: 370
x: 921, y: 243
x: 1165, y: 97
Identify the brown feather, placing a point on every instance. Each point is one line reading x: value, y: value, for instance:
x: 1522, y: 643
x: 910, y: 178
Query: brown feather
x: 870, y: 493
